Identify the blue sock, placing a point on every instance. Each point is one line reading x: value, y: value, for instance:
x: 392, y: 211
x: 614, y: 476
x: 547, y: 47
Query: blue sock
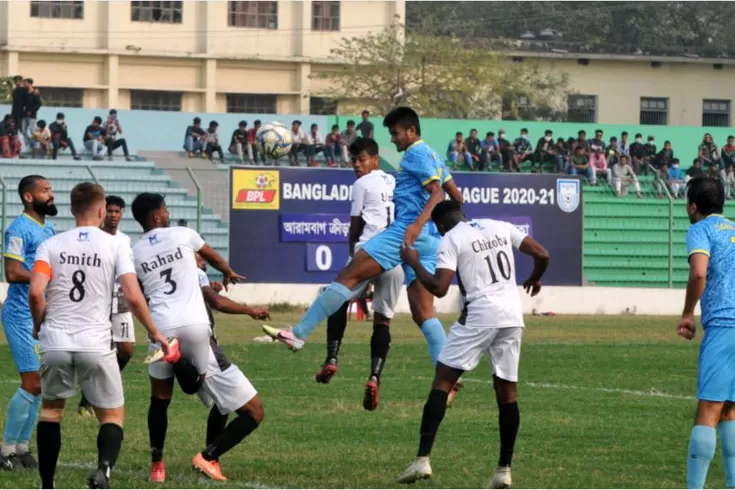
x: 325, y: 305
x: 435, y: 337
x: 727, y: 436
x: 18, y: 410
x: 27, y: 432
x: 701, y: 450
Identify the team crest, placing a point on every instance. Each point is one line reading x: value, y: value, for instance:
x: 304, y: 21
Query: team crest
x: 153, y: 239
x: 83, y: 236
x: 567, y: 194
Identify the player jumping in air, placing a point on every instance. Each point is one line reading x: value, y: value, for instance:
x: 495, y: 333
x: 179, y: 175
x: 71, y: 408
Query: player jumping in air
x: 421, y: 181
x: 70, y: 298
x: 22, y: 238
x: 711, y: 249
x: 372, y: 211
x: 123, y: 329
x: 480, y: 254
x: 167, y: 269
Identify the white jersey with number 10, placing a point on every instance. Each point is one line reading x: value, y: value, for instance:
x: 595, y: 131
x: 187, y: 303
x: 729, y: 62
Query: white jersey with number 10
x: 372, y: 198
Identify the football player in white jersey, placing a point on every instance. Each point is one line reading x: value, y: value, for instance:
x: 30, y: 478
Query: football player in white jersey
x: 166, y: 266
x: 371, y: 212
x: 123, y: 328
x: 70, y: 298
x: 480, y: 254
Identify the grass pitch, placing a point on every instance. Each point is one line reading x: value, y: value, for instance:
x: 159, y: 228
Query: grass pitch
x: 605, y: 402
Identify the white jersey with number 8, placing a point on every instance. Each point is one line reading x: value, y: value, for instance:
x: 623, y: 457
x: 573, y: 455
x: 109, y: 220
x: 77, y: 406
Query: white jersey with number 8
x: 83, y: 264
x: 372, y: 198
x: 481, y: 254
x: 167, y: 269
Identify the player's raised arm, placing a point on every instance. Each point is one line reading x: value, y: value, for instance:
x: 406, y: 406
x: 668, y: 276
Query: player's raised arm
x: 218, y: 262
x: 437, y: 284
x: 226, y: 305
x: 530, y: 246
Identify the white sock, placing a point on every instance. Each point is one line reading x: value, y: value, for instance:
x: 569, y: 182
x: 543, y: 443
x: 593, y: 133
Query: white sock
x: 7, y: 450
x: 21, y: 448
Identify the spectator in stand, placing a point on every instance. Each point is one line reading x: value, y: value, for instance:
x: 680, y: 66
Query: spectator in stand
x: 597, y: 154
x: 651, y: 151
x: 41, y: 140
x: 9, y: 140
x: 728, y: 152
x: 728, y: 178
x: 19, y: 95
x: 545, y: 152
x: 60, y: 137
x: 30, y: 111
x: 253, y: 151
x: 333, y: 146
x: 314, y: 144
x: 612, y: 152
x: 112, y: 129
x: 580, y: 165
x: 239, y: 141
x: 349, y: 135
x: 638, y: 155
x: 457, y: 147
x: 664, y: 157
x: 213, y: 143
x: 708, y: 152
x: 94, y: 139
x: 522, y: 150
x: 624, y: 177
x: 676, y: 177
x: 298, y: 144
x: 474, y: 147
x: 695, y: 170
x: 365, y: 127
x: 182, y: 222
x: 506, y: 152
x: 623, y: 145
x: 561, y: 163
x: 195, y: 139
x: 713, y: 172
x: 490, y: 150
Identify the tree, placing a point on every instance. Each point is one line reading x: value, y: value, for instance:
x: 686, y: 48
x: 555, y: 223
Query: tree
x: 437, y: 76
x: 6, y: 90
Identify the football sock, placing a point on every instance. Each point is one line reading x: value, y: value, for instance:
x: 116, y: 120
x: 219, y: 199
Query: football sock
x: 18, y: 411
x: 727, y: 436
x: 509, y: 418
x: 49, y: 445
x: 109, y: 442
x: 157, y: 426
x: 434, y: 410
x: 701, y: 450
x: 435, y: 337
x: 379, y: 346
x: 325, y: 305
x: 27, y: 432
x: 235, y: 432
x: 216, y: 423
x: 336, y: 325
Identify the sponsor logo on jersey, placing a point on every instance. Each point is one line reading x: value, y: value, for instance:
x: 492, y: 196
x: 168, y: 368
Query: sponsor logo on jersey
x: 567, y: 192
x: 255, y: 189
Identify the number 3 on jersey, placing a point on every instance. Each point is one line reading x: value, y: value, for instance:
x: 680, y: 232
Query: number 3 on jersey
x: 166, y: 276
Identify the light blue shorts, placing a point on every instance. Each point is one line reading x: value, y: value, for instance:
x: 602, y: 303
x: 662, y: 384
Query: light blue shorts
x: 716, y: 373
x: 385, y: 248
x: 23, y: 347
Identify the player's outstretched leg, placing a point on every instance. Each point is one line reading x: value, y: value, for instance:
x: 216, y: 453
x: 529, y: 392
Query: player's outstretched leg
x: 336, y: 325
x: 434, y: 409
x: 509, y: 419
x: 379, y: 347
x: 248, y: 419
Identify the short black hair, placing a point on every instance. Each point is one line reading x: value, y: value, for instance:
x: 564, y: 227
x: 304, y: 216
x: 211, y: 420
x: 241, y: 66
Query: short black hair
x: 296, y: 121
x: 365, y: 111
x: 29, y: 80
x: 404, y: 117
x: 60, y: 115
x: 445, y: 208
x: 696, y: 161
x: 335, y: 126
x: 731, y: 136
x: 581, y: 131
x: 473, y: 129
x: 41, y: 124
x: 98, y: 119
x: 314, y: 125
x: 524, y: 130
x: 624, y: 133
x: 197, y: 120
x: 27, y: 184
x: 613, y: 138
x: 490, y: 133
x: 350, y: 123
x: 144, y: 204
x: 548, y: 131
x: 707, y: 193
x: 667, y: 142
x: 676, y: 160
x: 624, y: 157
x: 242, y: 123
x: 368, y: 145
x: 650, y: 137
x: 598, y: 131
x: 115, y: 201
x: 113, y: 111
x: 638, y: 135
x: 458, y: 133
x: 256, y: 122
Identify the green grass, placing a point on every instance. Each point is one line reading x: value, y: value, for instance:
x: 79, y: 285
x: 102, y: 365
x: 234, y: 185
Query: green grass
x: 605, y: 402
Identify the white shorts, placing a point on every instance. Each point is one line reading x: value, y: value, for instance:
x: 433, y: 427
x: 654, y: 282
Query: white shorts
x: 194, y: 345
x: 123, y: 328
x: 98, y: 372
x: 466, y: 345
x: 229, y: 390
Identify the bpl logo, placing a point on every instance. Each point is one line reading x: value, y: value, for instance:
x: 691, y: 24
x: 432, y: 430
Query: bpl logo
x: 568, y: 194
x: 255, y: 189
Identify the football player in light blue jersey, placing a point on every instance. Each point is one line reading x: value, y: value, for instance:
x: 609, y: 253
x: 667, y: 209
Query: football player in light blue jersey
x: 22, y: 238
x: 421, y: 182
x: 711, y: 250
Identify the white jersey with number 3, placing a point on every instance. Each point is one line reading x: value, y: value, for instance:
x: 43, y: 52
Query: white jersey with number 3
x: 166, y: 266
x: 83, y: 264
x: 481, y: 254
x: 372, y: 198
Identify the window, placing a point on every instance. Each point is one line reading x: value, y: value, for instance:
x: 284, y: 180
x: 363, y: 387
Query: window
x: 324, y: 16
x: 57, y: 10
x: 154, y: 100
x: 582, y: 108
x: 260, y: 15
x: 321, y: 106
x: 61, y: 97
x: 166, y: 12
x: 715, y: 113
x: 654, y: 111
x: 251, y: 103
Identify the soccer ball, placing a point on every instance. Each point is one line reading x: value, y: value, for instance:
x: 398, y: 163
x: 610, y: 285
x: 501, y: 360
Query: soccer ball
x: 274, y: 139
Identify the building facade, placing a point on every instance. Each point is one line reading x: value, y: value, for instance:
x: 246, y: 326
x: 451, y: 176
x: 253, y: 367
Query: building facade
x: 193, y: 56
